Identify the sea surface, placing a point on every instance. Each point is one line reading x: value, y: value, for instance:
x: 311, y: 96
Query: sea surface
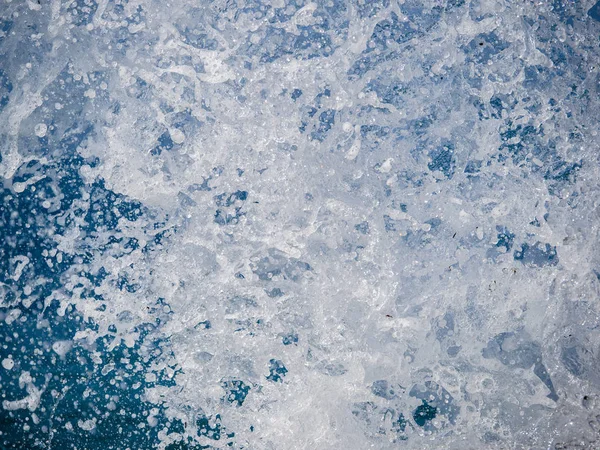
x: 287, y: 225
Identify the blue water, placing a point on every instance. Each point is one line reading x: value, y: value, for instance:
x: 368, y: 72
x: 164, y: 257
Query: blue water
x: 289, y: 224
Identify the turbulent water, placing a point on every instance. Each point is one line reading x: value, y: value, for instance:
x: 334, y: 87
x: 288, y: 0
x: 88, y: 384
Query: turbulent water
x: 273, y: 225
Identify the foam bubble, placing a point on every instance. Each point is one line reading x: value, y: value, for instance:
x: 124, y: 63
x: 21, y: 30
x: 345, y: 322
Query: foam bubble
x: 40, y: 130
x: 8, y: 363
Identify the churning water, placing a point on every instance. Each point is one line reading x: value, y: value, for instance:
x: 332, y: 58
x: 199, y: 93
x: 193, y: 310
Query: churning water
x: 277, y: 225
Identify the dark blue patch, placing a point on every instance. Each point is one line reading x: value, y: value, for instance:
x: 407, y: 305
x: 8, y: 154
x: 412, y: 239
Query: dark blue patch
x: 275, y: 292
x: 230, y: 207
x: 399, y: 425
x: 505, y: 238
x: 424, y: 414
x: 5, y: 89
x: 389, y: 223
x: 473, y: 167
x: 206, y: 429
x: 165, y: 143
x: 5, y: 27
x: 75, y: 387
x: 442, y: 159
x: 497, y: 106
x: 434, y: 397
x: 276, y: 371
x: 594, y: 12
x: 204, y: 325
x: 563, y: 171
x: 537, y: 255
x: 236, y: 391
x: 326, y: 121
x: 289, y: 339
x: 362, y: 227
x: 107, y: 208
x: 32, y: 233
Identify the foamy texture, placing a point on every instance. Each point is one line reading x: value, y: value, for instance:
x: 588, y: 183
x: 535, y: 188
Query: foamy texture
x: 369, y: 209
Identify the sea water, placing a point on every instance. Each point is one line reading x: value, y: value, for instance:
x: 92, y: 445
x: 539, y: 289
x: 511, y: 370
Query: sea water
x: 338, y: 224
